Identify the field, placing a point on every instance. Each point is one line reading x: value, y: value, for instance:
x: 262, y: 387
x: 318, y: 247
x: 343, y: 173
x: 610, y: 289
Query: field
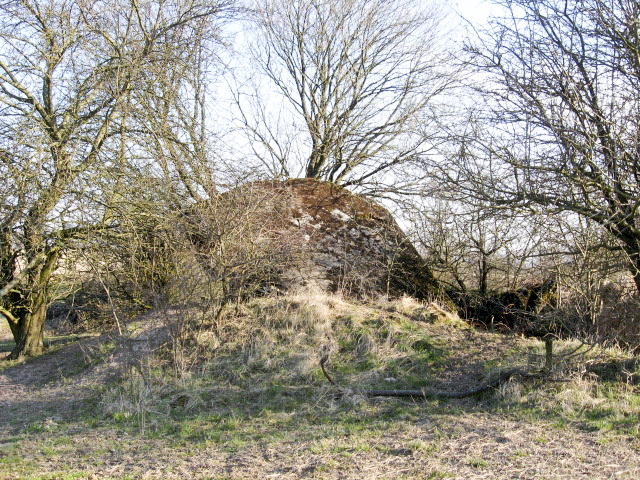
x: 179, y: 397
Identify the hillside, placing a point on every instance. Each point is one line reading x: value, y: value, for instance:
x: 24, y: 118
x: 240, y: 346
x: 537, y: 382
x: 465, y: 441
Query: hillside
x: 246, y: 398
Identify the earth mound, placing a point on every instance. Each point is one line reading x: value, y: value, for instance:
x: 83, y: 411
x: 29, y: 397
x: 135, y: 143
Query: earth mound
x: 343, y: 241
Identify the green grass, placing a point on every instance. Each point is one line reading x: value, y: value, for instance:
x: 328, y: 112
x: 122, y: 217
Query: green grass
x: 271, y: 377
x: 262, y: 386
x: 478, y: 463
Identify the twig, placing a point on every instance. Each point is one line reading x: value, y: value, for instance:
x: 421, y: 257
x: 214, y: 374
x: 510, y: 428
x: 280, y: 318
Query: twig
x: 323, y: 362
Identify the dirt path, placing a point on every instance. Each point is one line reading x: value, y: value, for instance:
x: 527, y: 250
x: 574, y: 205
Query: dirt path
x: 57, y: 384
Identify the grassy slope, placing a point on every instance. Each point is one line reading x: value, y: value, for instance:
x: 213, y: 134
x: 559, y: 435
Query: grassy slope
x: 251, y: 402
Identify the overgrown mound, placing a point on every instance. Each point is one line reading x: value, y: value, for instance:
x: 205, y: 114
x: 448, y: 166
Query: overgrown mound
x: 269, y: 352
x: 243, y: 393
x: 317, y: 234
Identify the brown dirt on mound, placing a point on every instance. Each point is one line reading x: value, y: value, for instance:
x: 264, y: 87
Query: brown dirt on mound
x: 346, y: 241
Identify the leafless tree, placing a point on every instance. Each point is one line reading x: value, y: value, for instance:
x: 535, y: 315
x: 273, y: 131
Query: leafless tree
x: 72, y: 72
x: 477, y: 250
x: 355, y: 82
x: 234, y: 245
x: 558, y: 129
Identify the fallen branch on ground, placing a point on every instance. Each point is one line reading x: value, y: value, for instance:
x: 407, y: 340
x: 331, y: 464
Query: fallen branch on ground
x: 501, y: 377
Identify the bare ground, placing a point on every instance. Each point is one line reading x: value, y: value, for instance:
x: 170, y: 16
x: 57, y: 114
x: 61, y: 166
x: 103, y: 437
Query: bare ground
x: 45, y: 431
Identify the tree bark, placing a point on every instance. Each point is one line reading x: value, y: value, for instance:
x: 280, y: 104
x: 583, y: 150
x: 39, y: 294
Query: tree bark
x: 29, y: 310
x: 28, y: 333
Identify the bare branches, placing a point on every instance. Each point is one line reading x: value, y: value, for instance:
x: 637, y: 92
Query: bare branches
x: 75, y: 77
x: 558, y: 127
x: 356, y: 78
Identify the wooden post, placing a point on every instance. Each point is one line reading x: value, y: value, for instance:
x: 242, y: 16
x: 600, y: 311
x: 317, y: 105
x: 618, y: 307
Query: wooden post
x: 548, y: 358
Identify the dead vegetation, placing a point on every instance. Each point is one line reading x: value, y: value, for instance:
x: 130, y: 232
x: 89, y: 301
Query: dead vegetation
x: 245, y: 398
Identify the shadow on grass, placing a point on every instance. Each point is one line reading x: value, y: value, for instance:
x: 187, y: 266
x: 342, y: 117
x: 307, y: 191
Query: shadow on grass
x: 21, y: 415
x: 7, y: 345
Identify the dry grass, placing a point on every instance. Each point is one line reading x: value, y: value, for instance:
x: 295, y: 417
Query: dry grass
x: 246, y: 399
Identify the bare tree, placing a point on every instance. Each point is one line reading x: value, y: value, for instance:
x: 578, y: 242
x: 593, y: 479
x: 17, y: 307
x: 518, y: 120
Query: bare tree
x: 477, y: 250
x: 355, y: 81
x: 234, y: 245
x: 71, y: 73
x: 559, y: 127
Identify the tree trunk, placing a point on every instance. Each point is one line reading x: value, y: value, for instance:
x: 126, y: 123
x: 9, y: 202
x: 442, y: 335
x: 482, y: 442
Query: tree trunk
x: 29, y: 309
x: 28, y: 333
x: 484, y: 275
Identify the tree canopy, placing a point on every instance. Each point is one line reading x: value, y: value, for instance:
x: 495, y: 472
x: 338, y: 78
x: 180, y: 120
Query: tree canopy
x: 358, y: 80
x: 74, y: 76
x: 558, y: 128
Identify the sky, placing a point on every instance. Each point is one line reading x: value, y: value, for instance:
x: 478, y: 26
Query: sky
x: 475, y: 10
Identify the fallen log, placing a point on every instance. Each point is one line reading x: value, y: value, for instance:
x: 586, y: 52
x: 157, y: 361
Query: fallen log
x: 502, y: 377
